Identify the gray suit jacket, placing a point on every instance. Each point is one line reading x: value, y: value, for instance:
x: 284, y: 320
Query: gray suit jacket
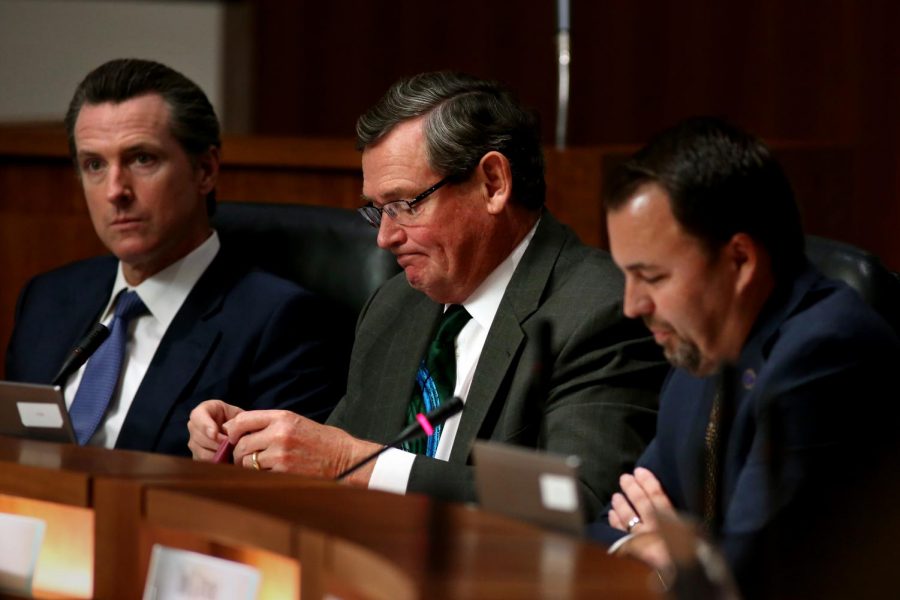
x: 605, y: 372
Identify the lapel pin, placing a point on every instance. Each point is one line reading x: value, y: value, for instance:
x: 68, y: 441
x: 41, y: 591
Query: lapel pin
x: 748, y: 379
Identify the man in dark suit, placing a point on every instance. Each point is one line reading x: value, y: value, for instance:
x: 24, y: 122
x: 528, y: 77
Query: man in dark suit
x: 145, y: 141
x: 756, y: 431
x: 453, y: 176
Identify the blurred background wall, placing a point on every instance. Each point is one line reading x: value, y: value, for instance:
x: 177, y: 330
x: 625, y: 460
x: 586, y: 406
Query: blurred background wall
x: 824, y: 71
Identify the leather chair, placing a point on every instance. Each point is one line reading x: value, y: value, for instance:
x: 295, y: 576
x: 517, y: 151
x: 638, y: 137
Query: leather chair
x: 862, y: 271
x: 329, y: 251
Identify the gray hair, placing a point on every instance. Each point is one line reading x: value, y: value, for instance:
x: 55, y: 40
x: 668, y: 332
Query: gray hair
x: 465, y: 118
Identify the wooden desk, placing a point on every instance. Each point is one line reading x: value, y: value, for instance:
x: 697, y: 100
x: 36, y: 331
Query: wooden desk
x: 92, y: 500
x: 361, y: 544
x: 105, y: 510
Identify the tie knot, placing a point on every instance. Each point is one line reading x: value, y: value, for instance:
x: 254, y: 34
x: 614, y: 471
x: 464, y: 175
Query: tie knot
x: 129, y: 305
x: 454, y: 319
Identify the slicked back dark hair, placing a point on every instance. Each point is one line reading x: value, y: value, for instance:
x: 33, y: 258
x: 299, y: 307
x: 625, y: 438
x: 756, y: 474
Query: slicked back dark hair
x: 465, y: 118
x: 720, y: 181
x: 192, y: 118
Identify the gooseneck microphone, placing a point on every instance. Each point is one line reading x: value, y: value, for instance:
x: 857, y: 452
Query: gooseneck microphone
x: 422, y: 427
x: 81, y: 352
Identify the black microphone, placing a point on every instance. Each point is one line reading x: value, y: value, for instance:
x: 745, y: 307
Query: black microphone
x: 81, y: 352
x: 423, y: 427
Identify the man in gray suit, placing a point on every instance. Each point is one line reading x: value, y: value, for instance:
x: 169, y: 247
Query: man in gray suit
x: 454, y: 180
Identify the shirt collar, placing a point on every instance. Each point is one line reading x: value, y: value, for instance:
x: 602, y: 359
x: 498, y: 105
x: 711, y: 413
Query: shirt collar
x: 165, y: 292
x: 483, y: 303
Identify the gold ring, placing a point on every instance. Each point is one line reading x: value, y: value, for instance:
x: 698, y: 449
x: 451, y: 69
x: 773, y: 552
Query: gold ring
x: 254, y: 460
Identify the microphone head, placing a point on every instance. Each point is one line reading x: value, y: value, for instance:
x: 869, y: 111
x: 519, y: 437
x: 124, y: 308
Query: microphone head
x: 96, y: 336
x: 426, y: 422
x: 445, y: 411
x: 81, y: 352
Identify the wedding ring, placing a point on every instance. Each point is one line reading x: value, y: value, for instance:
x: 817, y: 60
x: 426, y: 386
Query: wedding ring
x: 632, y: 522
x: 254, y: 462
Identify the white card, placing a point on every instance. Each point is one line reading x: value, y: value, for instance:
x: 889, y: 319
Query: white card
x: 20, y: 543
x: 182, y: 575
x: 40, y: 414
x: 558, y: 492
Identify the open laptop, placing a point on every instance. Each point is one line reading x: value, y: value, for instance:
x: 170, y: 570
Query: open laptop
x: 36, y: 412
x: 530, y: 485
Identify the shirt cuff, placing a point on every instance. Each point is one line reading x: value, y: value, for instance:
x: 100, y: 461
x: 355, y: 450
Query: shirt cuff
x: 391, y: 471
x: 619, y: 543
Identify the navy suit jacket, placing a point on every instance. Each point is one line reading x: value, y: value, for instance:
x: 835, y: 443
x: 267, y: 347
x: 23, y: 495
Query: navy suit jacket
x: 244, y: 336
x: 812, y: 406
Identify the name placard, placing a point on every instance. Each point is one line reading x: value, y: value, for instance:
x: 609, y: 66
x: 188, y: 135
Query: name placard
x: 558, y: 492
x: 183, y: 575
x: 40, y: 414
x: 20, y: 543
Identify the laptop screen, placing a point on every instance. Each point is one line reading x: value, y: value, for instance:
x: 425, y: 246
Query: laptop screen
x: 33, y: 411
x: 530, y: 485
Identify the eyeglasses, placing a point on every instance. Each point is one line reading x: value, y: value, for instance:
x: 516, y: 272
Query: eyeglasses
x: 401, y: 211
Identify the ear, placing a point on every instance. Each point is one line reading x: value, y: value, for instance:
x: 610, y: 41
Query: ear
x: 208, y: 170
x: 496, y: 181
x: 744, y: 255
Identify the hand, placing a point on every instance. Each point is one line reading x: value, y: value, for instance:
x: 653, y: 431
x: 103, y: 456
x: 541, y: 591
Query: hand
x: 287, y: 442
x: 205, y: 427
x: 641, y: 497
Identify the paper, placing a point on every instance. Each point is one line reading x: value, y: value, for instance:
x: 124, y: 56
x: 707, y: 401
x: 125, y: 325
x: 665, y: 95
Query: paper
x: 40, y: 414
x: 558, y: 492
x: 182, y: 575
x: 20, y: 543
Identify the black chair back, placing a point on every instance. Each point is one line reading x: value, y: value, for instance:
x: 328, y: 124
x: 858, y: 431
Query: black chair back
x: 329, y: 251
x: 862, y: 271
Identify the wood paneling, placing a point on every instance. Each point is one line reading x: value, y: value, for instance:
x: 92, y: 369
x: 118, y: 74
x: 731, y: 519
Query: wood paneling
x: 826, y: 72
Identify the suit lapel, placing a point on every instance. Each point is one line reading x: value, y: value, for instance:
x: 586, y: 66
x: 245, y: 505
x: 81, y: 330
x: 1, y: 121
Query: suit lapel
x: 183, y: 350
x: 414, y: 331
x: 506, y: 336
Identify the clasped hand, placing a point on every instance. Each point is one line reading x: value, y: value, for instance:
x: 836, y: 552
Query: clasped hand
x: 281, y: 440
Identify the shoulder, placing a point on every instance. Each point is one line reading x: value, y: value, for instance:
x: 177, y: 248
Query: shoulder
x: 576, y: 267
x: 256, y: 290
x: 76, y: 274
x: 65, y: 288
x: 584, y: 280
x: 831, y: 344
x: 833, y: 319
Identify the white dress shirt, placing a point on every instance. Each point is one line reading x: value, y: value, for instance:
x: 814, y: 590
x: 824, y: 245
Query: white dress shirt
x: 162, y: 294
x: 392, y: 469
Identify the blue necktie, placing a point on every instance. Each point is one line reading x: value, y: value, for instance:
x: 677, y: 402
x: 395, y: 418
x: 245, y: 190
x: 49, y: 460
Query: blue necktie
x: 436, y: 377
x: 101, y: 375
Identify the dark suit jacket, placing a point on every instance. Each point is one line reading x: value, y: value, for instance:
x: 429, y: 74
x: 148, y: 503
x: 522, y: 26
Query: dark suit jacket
x: 243, y: 336
x: 797, y: 440
x: 604, y: 371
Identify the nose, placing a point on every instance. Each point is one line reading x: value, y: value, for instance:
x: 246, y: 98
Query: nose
x: 118, y: 184
x: 636, y: 302
x: 389, y: 233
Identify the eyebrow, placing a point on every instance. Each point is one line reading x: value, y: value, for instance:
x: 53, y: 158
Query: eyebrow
x: 135, y: 148
x: 640, y: 266
x: 393, y: 195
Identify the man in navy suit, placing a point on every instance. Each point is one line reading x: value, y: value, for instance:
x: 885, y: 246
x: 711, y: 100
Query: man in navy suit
x: 757, y: 430
x: 145, y: 141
